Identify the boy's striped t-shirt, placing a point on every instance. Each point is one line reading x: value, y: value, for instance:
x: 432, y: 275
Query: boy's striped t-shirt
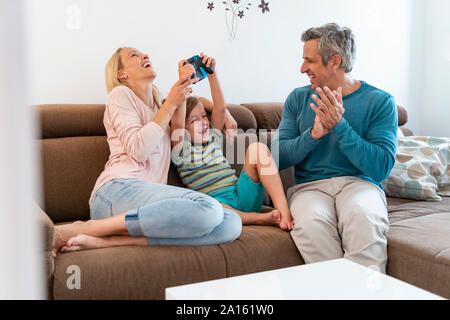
x: 203, y: 168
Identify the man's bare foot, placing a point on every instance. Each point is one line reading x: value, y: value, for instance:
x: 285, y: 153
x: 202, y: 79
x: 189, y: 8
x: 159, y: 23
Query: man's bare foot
x: 82, y: 242
x: 63, y: 233
x: 271, y: 218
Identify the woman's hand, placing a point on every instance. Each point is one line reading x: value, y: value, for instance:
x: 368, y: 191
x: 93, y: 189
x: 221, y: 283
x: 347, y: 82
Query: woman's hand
x: 180, y: 91
x: 185, y: 69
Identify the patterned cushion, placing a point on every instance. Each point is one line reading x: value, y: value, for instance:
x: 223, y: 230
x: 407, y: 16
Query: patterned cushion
x: 421, y: 169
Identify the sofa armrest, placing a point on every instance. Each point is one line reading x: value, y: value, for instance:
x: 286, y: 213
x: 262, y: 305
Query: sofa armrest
x: 407, y: 132
x: 47, y: 228
x: 47, y: 231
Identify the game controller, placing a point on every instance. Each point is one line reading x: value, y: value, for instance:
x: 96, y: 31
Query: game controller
x: 201, y: 70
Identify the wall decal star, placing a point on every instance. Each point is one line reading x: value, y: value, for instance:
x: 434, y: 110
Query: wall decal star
x: 234, y: 10
x: 264, y: 6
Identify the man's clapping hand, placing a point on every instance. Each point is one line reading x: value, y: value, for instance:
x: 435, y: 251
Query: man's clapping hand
x: 329, y: 111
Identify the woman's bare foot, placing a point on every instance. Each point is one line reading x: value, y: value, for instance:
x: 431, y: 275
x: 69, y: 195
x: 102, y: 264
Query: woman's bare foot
x: 271, y: 218
x: 85, y: 242
x: 62, y: 233
x: 82, y: 242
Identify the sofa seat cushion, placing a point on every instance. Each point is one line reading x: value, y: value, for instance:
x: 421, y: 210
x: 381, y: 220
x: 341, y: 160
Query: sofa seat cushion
x: 260, y: 248
x: 135, y: 272
x: 426, y: 236
x: 145, y: 272
x: 402, y: 209
x: 419, y: 252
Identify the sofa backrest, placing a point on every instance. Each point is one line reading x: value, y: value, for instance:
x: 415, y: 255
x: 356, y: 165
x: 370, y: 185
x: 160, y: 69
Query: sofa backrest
x: 268, y: 114
x: 74, y: 151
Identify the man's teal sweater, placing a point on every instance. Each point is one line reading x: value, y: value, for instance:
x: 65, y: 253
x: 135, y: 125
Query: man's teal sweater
x: 363, y: 144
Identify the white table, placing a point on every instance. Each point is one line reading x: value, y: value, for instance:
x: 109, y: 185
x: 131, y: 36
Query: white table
x: 330, y: 280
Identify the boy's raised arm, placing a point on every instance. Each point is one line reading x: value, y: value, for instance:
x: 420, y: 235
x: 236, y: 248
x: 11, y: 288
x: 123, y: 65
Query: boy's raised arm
x: 218, y: 107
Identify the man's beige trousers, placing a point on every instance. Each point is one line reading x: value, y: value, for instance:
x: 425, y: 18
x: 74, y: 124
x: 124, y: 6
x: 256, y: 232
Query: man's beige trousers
x: 344, y: 217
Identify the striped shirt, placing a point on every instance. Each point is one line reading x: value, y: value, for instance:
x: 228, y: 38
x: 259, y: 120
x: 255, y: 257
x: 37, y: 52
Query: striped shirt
x: 203, y: 168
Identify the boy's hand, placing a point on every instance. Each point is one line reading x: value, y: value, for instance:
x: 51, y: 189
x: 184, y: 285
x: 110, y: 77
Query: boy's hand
x: 209, y: 61
x: 287, y: 223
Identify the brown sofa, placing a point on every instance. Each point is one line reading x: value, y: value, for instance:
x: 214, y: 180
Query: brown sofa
x: 74, y: 151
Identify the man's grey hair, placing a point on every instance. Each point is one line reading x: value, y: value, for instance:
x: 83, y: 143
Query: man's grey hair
x: 334, y: 40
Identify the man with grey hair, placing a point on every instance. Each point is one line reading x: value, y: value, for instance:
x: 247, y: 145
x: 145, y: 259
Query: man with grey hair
x: 341, y: 136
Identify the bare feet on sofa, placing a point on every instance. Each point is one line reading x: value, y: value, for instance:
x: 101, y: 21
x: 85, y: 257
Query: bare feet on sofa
x: 62, y: 233
x: 271, y: 218
x: 83, y: 242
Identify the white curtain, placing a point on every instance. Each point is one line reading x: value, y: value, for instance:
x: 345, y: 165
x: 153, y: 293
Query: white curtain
x: 21, y: 270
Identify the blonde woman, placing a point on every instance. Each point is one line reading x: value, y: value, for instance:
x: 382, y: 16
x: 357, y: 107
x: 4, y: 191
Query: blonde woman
x: 131, y: 203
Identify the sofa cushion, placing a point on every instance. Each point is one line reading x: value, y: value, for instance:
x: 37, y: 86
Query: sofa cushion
x: 135, y: 272
x: 419, y: 243
x: 71, y: 120
x: 426, y: 236
x: 420, y: 168
x: 268, y: 115
x: 244, y: 117
x: 403, y: 209
x: 145, y: 272
x: 402, y: 116
x: 260, y: 248
x: 419, y: 252
x: 70, y: 168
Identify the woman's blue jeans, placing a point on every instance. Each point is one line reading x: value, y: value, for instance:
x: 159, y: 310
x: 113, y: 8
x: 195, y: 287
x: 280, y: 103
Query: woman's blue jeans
x: 166, y: 215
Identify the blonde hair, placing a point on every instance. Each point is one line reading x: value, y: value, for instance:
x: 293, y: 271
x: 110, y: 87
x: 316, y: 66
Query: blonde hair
x: 112, y: 68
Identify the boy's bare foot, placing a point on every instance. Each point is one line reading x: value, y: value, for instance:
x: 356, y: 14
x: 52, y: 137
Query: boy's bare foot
x: 287, y: 225
x: 271, y: 218
x: 62, y: 233
x: 82, y: 242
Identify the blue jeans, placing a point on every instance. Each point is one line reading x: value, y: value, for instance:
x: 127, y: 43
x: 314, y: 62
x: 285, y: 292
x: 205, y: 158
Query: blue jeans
x: 166, y: 215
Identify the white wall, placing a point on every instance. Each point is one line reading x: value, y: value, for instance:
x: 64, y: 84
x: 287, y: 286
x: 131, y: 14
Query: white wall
x: 21, y: 270
x: 435, y: 99
x: 261, y: 64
